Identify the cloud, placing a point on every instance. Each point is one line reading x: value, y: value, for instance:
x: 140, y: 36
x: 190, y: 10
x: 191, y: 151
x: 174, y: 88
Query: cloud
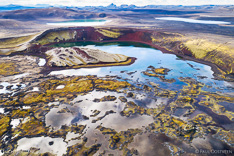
x: 117, y: 2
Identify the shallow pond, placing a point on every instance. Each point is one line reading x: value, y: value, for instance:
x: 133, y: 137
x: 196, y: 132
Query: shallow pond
x: 147, y: 56
x: 89, y: 110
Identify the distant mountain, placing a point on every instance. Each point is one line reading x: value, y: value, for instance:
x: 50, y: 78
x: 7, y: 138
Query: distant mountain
x: 14, y: 7
x: 182, y: 7
x: 50, y: 13
x: 112, y: 6
x: 127, y: 6
x: 43, y: 5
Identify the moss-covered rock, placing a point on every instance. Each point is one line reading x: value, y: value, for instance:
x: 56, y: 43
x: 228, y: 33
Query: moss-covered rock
x: 4, y: 124
x: 7, y: 69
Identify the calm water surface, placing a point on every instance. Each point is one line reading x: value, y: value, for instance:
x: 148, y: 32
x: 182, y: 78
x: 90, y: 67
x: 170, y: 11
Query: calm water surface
x: 85, y: 22
x: 189, y: 20
x: 147, y: 56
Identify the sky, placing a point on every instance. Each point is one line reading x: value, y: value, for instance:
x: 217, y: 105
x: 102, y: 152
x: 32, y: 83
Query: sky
x: 117, y: 2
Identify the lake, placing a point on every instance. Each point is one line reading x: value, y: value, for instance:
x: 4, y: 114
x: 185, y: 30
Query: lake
x: 147, y: 56
x: 83, y: 22
x: 189, y: 20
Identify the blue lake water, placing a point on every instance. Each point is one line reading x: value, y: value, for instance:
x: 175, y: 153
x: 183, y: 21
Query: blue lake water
x: 147, y: 56
x: 83, y: 22
x: 189, y: 20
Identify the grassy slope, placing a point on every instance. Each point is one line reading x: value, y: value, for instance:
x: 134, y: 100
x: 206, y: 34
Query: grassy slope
x: 10, y: 45
x: 219, y: 54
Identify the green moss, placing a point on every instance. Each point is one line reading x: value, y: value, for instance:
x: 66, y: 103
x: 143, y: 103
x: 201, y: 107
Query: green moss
x: 31, y: 152
x: 20, y: 113
x: 112, y: 33
x: 32, y: 127
x: 105, y: 98
x: 113, y: 85
x: 14, y: 42
x: 165, y: 93
x: 7, y: 69
x: 159, y: 73
x: 82, y: 150
x: 219, y: 54
x: 72, y: 86
x: 131, y: 108
x: 65, y: 129
x: 202, y: 119
x: 211, y: 101
x: 119, y: 140
x: 226, y: 136
x: 56, y: 36
x: 4, y: 124
x: 173, y: 127
x: 174, y: 149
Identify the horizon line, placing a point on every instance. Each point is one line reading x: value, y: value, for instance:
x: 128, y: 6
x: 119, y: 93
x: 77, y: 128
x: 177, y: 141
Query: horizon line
x: 59, y: 5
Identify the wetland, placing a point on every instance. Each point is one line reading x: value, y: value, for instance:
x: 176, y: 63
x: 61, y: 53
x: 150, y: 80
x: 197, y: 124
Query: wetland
x: 117, y: 80
x: 158, y: 101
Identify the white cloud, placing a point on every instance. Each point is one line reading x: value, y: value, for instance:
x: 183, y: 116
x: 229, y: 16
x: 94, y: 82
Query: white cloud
x: 117, y: 2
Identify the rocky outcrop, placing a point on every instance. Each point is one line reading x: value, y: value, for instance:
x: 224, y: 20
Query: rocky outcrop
x: 81, y: 56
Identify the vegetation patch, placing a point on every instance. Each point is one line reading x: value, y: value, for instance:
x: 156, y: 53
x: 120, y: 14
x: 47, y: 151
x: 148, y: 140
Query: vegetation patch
x: 7, y: 69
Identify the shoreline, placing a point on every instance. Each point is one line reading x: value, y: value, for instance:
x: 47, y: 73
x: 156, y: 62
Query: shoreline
x: 218, y: 72
x: 129, y: 61
x: 214, y: 67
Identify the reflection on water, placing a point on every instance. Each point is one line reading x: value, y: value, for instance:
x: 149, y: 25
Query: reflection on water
x: 41, y: 62
x: 2, y: 110
x: 13, y: 87
x: 15, y: 123
x: 57, y: 146
x: 80, y: 23
x: 149, y: 145
x: 83, y: 71
x: 74, y: 113
x: 84, y: 106
x: 56, y: 119
x: 192, y: 20
x: 91, y: 110
x: 147, y: 56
